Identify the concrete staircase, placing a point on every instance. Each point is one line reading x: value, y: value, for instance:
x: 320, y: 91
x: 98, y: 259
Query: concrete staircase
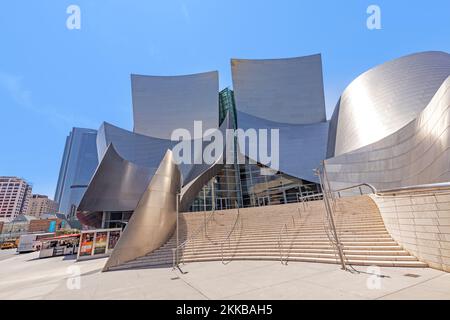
x: 291, y: 232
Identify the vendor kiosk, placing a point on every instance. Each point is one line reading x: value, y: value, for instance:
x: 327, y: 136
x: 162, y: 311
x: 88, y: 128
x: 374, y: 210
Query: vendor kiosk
x: 60, y: 246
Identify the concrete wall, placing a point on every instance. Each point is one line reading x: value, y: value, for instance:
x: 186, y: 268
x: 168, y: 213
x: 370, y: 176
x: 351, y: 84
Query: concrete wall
x: 421, y: 224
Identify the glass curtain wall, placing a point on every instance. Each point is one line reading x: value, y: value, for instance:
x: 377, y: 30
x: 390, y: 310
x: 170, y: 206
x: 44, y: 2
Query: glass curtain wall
x: 244, y: 185
x: 251, y: 189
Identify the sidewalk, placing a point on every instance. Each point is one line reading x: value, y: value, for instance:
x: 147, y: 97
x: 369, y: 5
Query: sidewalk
x: 26, y: 277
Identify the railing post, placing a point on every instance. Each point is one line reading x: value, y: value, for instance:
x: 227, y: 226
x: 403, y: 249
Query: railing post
x: 173, y: 258
x: 329, y: 211
x: 178, y: 226
x: 325, y: 177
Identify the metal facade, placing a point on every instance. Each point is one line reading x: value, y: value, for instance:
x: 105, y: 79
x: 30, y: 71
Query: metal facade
x: 162, y: 104
x: 386, y: 98
x: 284, y: 94
x: 418, y: 153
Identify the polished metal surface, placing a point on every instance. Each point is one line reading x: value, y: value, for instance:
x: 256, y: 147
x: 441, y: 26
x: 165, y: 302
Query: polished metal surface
x: 418, y: 153
x: 154, y: 218
x: 117, y: 185
x: 193, y: 171
x: 301, y: 147
x: 139, y: 149
x: 384, y: 99
x: 200, y: 174
x: 128, y: 164
x: 191, y: 190
x: 281, y: 90
x: 284, y: 94
x: 163, y: 104
x: 388, y: 131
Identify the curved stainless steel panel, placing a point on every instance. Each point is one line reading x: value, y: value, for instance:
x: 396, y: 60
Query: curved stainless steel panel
x: 199, y: 175
x: 139, y: 149
x: 162, y: 104
x: 331, y: 144
x: 193, y: 171
x: 117, y: 185
x: 384, y: 99
x: 418, y: 153
x: 281, y: 90
x: 301, y: 147
x: 154, y: 218
x: 127, y: 166
x: 191, y: 190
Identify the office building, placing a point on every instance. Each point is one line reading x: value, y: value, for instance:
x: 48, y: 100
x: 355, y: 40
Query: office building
x: 15, y: 195
x: 41, y: 204
x: 78, y: 164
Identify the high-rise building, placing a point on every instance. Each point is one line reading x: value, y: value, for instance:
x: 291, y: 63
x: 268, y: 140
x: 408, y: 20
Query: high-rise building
x: 77, y: 167
x: 15, y: 194
x: 40, y: 204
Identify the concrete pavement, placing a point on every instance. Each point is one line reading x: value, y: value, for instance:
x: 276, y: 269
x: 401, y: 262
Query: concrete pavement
x: 27, y: 277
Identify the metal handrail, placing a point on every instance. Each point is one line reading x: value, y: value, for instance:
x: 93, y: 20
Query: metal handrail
x: 314, y: 196
x: 417, y: 188
x: 329, y: 210
x: 329, y: 235
x: 283, y: 227
x: 371, y: 187
x: 175, y: 250
x: 238, y: 219
x: 301, y: 199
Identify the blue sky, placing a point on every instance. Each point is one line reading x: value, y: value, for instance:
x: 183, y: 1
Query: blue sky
x: 52, y: 78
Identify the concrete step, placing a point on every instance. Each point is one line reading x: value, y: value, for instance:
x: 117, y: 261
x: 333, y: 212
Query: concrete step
x: 277, y: 229
x: 294, y: 246
x: 290, y: 235
x: 404, y: 264
x: 168, y: 253
x: 310, y: 242
x: 359, y: 225
x: 286, y: 252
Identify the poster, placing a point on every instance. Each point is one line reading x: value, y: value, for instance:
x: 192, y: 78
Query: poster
x: 100, y: 242
x: 113, y: 238
x: 52, y: 226
x: 86, y: 243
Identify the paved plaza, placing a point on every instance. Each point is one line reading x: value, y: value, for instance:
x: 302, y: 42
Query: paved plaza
x: 27, y: 277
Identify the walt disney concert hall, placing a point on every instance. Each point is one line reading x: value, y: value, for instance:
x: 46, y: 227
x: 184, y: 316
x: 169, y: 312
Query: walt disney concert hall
x: 345, y: 190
